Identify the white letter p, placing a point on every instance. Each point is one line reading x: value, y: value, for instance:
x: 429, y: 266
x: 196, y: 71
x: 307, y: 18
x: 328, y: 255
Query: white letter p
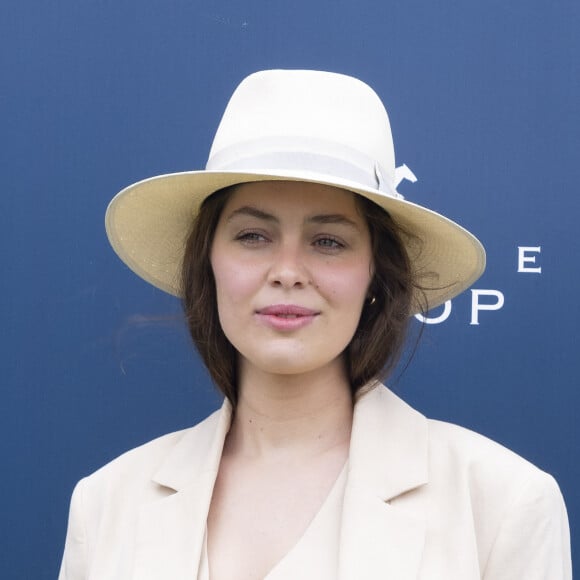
x: 476, y: 306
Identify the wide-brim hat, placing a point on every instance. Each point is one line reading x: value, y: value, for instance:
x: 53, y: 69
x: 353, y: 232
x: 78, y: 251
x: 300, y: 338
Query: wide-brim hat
x: 292, y: 125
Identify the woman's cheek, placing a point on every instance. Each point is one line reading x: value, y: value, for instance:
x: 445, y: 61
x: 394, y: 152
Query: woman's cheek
x: 351, y: 286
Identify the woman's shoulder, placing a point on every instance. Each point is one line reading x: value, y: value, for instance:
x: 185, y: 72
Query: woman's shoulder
x: 449, y: 444
x: 507, y: 497
x: 457, y: 457
x: 141, y: 463
x: 486, y: 465
x: 476, y: 492
x: 462, y: 442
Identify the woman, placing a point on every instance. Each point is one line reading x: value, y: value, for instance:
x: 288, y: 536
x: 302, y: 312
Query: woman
x: 299, y: 265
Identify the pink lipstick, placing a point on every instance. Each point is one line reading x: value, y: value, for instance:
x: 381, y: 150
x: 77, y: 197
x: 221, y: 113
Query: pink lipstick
x: 286, y: 317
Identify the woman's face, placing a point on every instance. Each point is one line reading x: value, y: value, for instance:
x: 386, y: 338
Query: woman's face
x: 292, y: 263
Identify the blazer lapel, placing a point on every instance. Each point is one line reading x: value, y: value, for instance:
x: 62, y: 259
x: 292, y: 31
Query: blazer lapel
x: 388, y: 457
x: 170, y: 531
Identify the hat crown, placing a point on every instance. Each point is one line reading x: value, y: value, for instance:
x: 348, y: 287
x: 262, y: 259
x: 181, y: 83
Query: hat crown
x: 324, y: 122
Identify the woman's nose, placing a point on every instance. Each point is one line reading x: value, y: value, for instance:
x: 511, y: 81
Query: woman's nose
x: 289, y: 269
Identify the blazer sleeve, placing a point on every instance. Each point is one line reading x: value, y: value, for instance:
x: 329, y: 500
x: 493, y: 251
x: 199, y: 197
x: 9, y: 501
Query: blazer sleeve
x: 74, y: 562
x: 533, y: 541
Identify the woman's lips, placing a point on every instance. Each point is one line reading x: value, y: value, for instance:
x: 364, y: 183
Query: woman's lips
x: 286, y: 316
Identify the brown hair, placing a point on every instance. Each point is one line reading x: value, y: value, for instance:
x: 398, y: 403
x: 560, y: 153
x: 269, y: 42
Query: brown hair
x: 380, y: 336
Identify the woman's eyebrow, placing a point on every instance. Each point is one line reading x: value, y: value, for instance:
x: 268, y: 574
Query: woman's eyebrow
x: 252, y: 212
x: 332, y: 218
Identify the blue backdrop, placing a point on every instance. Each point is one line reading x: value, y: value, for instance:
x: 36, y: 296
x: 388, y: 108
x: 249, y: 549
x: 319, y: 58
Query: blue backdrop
x: 95, y: 94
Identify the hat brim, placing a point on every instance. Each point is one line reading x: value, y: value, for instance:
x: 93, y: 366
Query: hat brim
x: 148, y: 223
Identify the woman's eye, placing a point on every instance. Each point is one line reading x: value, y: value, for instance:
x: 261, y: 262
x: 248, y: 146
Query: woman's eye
x: 329, y: 243
x: 251, y: 237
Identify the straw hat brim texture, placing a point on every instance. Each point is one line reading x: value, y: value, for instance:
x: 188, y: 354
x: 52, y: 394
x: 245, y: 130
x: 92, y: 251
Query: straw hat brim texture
x: 148, y: 223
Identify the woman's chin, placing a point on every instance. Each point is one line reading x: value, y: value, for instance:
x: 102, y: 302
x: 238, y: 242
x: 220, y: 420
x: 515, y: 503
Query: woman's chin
x: 288, y: 364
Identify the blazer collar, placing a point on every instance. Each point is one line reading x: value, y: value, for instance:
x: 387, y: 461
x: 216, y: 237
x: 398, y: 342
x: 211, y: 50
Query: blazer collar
x: 388, y: 457
x: 388, y: 446
x: 170, y: 531
x: 197, y: 453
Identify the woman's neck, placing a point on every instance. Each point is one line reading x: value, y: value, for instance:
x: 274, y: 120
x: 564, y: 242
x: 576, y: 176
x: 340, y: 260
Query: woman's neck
x: 291, y: 416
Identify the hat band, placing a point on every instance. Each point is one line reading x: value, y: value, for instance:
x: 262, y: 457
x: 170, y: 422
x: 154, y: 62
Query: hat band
x: 252, y: 158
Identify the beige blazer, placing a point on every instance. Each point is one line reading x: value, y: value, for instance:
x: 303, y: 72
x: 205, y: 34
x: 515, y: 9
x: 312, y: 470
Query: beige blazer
x: 424, y: 500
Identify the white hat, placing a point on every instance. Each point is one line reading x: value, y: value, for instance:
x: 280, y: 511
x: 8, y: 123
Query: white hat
x: 291, y: 125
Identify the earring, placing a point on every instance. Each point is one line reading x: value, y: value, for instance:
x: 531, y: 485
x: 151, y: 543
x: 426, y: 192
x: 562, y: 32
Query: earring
x: 372, y: 300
